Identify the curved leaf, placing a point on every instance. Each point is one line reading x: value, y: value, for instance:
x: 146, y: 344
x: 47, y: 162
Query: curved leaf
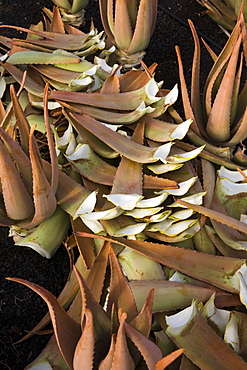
x: 67, y: 331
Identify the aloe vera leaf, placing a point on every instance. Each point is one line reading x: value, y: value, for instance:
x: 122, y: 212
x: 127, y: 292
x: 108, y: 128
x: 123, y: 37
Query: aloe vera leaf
x: 21, y: 119
x: 221, y: 152
x: 110, y: 116
x: 54, y: 38
x: 199, y: 266
x: 180, y: 238
x: 227, y: 8
x: 70, y: 195
x: 241, y: 103
x: 209, y: 178
x: 201, y: 341
x: 189, y: 262
x: 233, y: 176
x: 166, y: 361
x: 149, y: 350
x: 2, y: 111
x: 216, y: 318
x: 51, y: 144
x: 135, y: 79
x: 123, y: 226
x: 132, y: 10
x: 44, y: 199
x: 96, y: 276
x: 57, y: 74
x: 161, y: 131
x: 121, y: 353
x: 65, y: 4
x: 171, y: 228
x: 75, y: 68
x: 124, y: 101
x: 38, y: 57
x: 230, y: 237
x: 65, y: 298
x: 195, y: 78
x: 67, y: 331
x: 139, y: 267
x: 111, y: 85
x: 232, y: 196
x: 129, y: 170
x: 185, y: 96
x: 6, y: 41
x: 117, y: 142
x: 107, y: 361
x: 241, y: 130
x: 222, y: 247
x: 78, y: 5
x: 162, y: 339
x: 106, y: 14
x: 235, y: 333
x: 102, y: 324
x: 143, y: 321
x: 69, y: 42
x: 84, y: 351
x: 211, y: 52
x: 49, y: 357
x: 219, y: 65
x: 154, y: 182
x: 56, y: 84
x: 168, y: 97
x: 57, y: 24
x: 91, y: 166
x: 23, y: 45
x: 145, y: 22
x: 30, y: 85
x: 48, y: 236
x: 210, y: 156
x: 235, y: 93
x: 95, y: 143
x: 170, y: 295
x: 220, y: 132
x: 242, y: 18
x: 120, y: 294
x: 217, y: 216
x: 84, y: 245
x: 220, y: 17
x: 203, y: 243
x: 21, y: 159
x: 18, y: 203
x: 227, y: 227
x: 122, y: 26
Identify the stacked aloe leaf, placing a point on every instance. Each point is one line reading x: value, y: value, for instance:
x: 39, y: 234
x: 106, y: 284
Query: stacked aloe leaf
x: 224, y: 12
x: 155, y: 204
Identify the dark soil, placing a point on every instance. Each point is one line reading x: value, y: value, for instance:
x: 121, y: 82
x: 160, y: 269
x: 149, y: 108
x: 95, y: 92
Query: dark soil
x: 20, y: 308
